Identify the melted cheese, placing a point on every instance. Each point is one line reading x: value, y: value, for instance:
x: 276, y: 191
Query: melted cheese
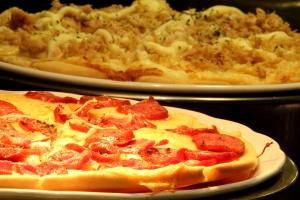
x: 8, y: 49
x: 26, y: 105
x: 175, y: 118
x: 57, y: 44
x: 70, y: 135
x: 239, y: 42
x: 33, y: 160
x: 279, y: 35
x: 221, y: 9
x: 175, y: 48
x: 153, y: 6
x: 176, y: 141
x: 114, y: 15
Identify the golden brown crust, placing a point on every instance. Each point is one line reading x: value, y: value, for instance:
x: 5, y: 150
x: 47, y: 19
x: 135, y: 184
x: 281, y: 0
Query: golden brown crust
x: 64, y: 68
x: 19, y: 181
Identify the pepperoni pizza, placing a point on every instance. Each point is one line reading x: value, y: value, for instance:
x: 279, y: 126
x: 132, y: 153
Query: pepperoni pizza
x: 50, y: 141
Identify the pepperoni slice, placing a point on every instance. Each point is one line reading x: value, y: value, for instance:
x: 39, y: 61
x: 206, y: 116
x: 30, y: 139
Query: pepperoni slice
x: 24, y: 168
x: 8, y: 108
x: 101, y: 102
x: 6, y: 167
x: 219, y: 143
x: 81, y: 127
x: 149, y: 109
x: 33, y: 125
x: 211, y: 140
x: 112, y: 136
x: 83, y: 110
x: 47, y: 168
x: 12, y: 138
x: 193, y: 131
x: 104, y: 158
x: 110, y: 121
x: 50, y: 97
x: 109, y: 141
x: 136, y: 122
x: 144, y: 145
x: 70, y: 159
x: 103, y: 147
x: 59, y: 116
x: 5, y: 124
x: 75, y: 147
x: 162, y: 142
x: 104, y: 101
x: 163, y: 156
x: 135, y: 164
x: 219, y: 157
x: 13, y: 154
x: 99, y: 157
x: 138, y: 145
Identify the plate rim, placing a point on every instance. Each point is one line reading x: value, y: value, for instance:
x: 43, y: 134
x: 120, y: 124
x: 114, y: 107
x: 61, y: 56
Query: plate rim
x: 145, y: 86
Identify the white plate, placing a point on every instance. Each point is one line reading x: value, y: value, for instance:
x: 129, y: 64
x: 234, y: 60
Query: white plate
x: 270, y: 163
x: 148, y: 87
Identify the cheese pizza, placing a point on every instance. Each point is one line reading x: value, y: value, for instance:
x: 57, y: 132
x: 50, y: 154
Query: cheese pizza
x: 149, y: 41
x: 50, y: 141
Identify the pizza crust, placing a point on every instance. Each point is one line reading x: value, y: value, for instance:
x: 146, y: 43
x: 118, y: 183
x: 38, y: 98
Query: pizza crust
x: 68, y: 68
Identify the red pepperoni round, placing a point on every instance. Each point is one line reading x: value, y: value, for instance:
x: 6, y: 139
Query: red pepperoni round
x: 96, y: 155
x: 8, y: 108
x: 49, y: 97
x: 103, y: 158
x: 59, y: 116
x: 13, y: 154
x: 113, y: 136
x: 24, y: 168
x: 6, y: 167
x: 70, y: 159
x: 149, y: 109
x: 134, y: 123
x: 219, y: 143
x: 104, y: 101
x: 135, y: 164
x: 75, y: 147
x: 81, y: 127
x: 193, y: 131
x: 12, y: 138
x: 46, y: 168
x: 101, y: 102
x: 217, y: 156
x: 32, y: 125
x: 163, y: 156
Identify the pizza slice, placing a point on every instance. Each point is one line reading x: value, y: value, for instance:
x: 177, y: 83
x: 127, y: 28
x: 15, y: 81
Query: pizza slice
x: 50, y: 141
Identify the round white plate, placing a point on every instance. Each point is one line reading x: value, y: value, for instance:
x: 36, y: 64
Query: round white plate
x: 270, y: 163
x: 148, y: 87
